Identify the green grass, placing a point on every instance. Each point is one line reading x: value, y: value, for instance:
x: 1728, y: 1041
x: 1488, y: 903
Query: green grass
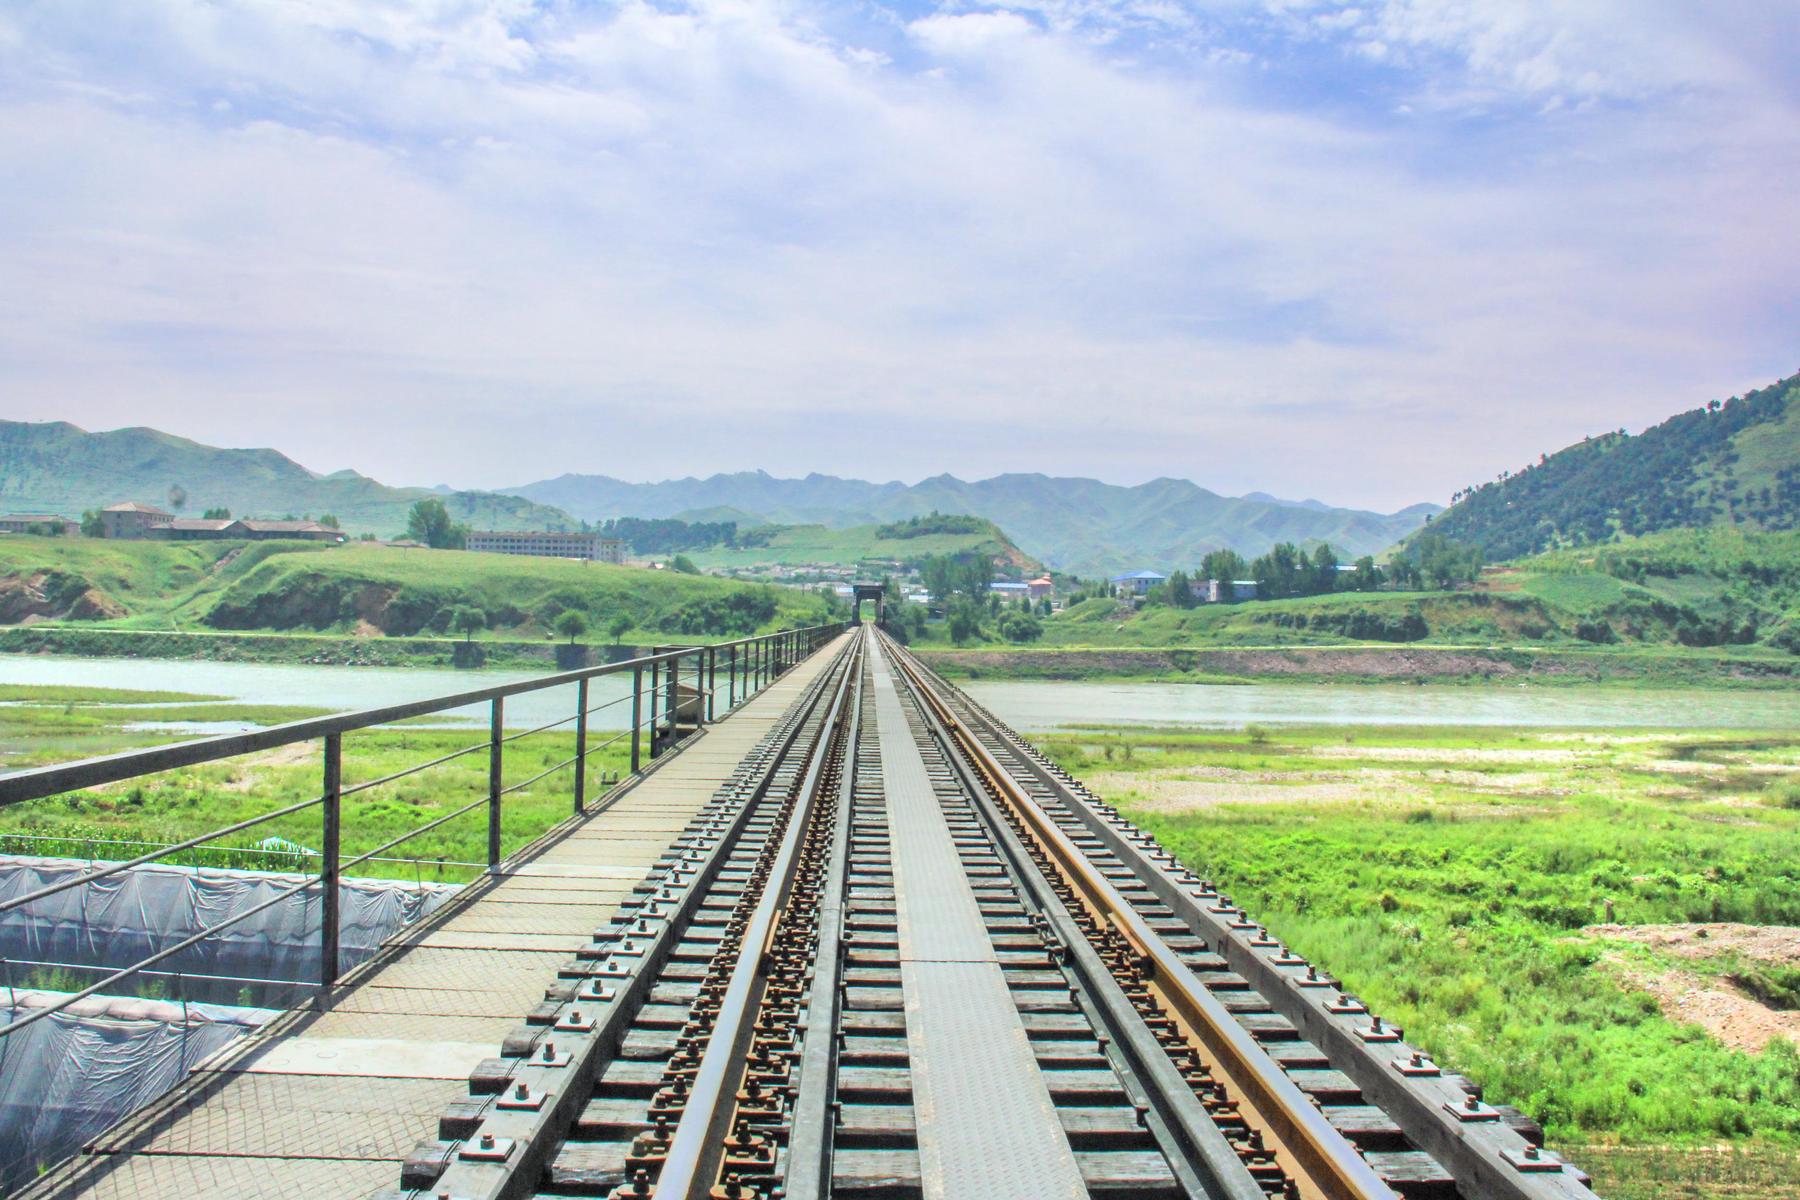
x: 853, y: 546
x: 122, y: 820
x: 1447, y: 876
x: 48, y: 693
x: 314, y: 588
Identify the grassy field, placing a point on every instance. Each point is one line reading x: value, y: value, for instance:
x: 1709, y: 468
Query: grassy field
x: 42, y: 725
x: 1578, y: 920
x: 853, y: 546
x: 369, y: 591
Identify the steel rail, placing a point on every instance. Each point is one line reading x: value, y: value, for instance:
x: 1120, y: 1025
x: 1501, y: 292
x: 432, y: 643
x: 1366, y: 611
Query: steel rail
x: 534, y: 1134
x: 690, y: 1168
x: 1314, y: 1151
x: 1205, y: 1164
x: 1484, y: 1154
x: 809, y: 1155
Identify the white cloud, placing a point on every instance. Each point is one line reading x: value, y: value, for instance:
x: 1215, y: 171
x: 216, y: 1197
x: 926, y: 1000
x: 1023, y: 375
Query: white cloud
x: 490, y: 237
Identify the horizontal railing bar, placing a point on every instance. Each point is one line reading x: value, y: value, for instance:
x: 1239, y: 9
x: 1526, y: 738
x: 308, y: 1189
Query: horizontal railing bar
x: 127, y: 972
x: 37, y: 782
x: 412, y: 833
x: 53, y: 888
x: 525, y: 783
x: 68, y: 966
x: 299, y: 852
x: 403, y: 772
x: 525, y: 733
x: 610, y: 703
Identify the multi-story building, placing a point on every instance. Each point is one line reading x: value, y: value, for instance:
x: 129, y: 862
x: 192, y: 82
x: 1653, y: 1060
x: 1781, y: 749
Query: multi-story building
x: 548, y: 544
x: 212, y: 529
x: 132, y: 520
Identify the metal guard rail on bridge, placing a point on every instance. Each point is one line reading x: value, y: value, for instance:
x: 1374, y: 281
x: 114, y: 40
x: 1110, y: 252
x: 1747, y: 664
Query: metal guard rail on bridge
x: 749, y: 665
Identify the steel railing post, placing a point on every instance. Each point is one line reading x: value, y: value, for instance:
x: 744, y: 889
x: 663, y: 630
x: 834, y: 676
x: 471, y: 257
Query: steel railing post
x: 712, y: 680
x: 655, y: 699
x: 637, y: 713
x: 331, y: 839
x: 495, y: 747
x: 671, y: 702
x: 581, y: 714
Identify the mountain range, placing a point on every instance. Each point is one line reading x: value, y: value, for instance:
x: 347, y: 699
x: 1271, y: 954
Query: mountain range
x: 1729, y: 462
x: 56, y: 467
x: 1078, y: 525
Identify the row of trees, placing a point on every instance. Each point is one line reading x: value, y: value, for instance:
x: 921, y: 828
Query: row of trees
x: 1428, y: 560
x: 469, y: 620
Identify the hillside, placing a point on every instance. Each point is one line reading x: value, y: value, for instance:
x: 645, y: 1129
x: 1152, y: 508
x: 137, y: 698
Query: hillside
x: 1077, y: 525
x: 368, y: 590
x: 1731, y: 463
x: 871, y: 547
x: 1720, y: 590
x: 57, y: 467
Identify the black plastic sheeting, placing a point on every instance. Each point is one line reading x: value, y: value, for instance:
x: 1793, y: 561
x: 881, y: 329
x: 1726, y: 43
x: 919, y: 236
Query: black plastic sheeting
x: 114, y: 922
x: 67, y: 1078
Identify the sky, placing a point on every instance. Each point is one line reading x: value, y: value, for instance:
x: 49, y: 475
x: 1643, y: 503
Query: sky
x: 1366, y: 252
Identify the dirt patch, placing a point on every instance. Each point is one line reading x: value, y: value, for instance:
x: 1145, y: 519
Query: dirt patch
x: 1769, y: 943
x: 1737, y: 1019
x: 249, y: 772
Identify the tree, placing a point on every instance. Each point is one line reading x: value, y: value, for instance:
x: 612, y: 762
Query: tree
x: 91, y: 524
x: 1224, y: 565
x: 216, y: 514
x: 1020, y: 627
x: 964, y: 618
x: 177, y: 497
x: 1324, y: 570
x: 1181, y: 592
x: 467, y: 620
x: 1280, y: 573
x: 571, y: 624
x: 619, y: 626
x: 948, y: 575
x: 683, y: 564
x: 429, y: 522
x: 1366, y: 577
x: 329, y: 521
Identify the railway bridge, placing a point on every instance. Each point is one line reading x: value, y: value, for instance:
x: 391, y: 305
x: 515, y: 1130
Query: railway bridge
x: 847, y: 936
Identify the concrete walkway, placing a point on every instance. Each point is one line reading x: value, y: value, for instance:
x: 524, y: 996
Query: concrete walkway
x: 331, y: 1103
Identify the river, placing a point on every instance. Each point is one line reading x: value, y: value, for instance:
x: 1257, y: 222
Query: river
x: 1028, y: 706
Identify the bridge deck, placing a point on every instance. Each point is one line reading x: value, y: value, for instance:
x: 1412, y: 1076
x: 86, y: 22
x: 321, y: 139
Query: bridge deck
x: 331, y: 1102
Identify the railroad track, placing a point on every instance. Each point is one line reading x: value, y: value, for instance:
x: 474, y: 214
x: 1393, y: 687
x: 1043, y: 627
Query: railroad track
x: 901, y: 955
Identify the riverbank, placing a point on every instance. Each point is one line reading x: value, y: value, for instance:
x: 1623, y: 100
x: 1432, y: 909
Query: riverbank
x: 310, y: 649
x: 1373, y: 665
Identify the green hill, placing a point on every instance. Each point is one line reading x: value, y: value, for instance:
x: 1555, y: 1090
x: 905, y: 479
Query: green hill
x: 872, y: 548
x: 1718, y: 589
x: 1082, y: 526
x: 1731, y: 463
x: 56, y: 467
x: 371, y: 590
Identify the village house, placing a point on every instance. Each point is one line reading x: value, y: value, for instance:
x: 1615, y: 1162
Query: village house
x: 39, y: 523
x: 1137, y: 583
